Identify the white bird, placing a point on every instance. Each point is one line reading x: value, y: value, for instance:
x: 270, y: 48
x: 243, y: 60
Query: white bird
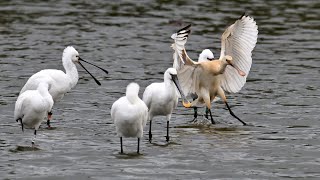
x: 130, y: 114
x: 162, y: 98
x: 60, y: 83
x: 32, y: 106
x: 212, y: 78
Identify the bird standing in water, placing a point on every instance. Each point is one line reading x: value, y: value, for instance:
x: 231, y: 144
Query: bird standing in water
x: 32, y: 107
x: 130, y: 114
x: 60, y: 82
x: 228, y: 73
x: 162, y: 98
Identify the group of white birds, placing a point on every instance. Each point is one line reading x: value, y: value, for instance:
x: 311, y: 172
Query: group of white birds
x: 206, y: 79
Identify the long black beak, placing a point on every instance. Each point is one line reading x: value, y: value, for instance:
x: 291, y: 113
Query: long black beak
x: 90, y: 74
x: 94, y: 65
x: 176, y: 82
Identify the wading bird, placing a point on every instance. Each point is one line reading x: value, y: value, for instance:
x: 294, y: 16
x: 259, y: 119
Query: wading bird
x: 32, y: 107
x: 59, y: 82
x: 228, y: 73
x: 205, y: 55
x: 130, y: 114
x: 162, y: 98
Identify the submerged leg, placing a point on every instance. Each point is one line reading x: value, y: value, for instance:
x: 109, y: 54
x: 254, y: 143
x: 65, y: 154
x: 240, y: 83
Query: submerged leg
x: 207, y: 113
x: 150, y: 134
x: 222, y: 95
x: 212, y: 121
x: 34, y: 139
x: 167, y: 137
x: 138, y: 145
x: 234, y: 114
x: 21, y: 124
x: 208, y: 106
x: 121, y: 145
x: 168, y: 120
x: 195, y: 109
x: 195, y: 115
x: 49, y: 118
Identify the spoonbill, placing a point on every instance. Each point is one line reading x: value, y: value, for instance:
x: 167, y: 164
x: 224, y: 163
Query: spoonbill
x: 205, y: 55
x: 162, y: 98
x: 130, y: 114
x: 32, y: 106
x: 59, y: 82
x: 228, y: 73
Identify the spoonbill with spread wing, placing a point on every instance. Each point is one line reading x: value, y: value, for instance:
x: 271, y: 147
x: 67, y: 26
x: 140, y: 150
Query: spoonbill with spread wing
x: 228, y: 73
x: 205, y: 55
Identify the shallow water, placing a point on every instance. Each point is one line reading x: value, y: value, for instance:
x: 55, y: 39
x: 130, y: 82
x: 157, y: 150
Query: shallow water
x: 280, y: 99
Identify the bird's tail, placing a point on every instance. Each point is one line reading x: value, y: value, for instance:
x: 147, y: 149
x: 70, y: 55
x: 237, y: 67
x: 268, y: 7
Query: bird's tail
x: 132, y: 92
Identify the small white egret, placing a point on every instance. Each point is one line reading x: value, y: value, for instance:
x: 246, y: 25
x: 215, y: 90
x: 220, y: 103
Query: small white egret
x: 60, y: 83
x: 162, y: 98
x: 212, y: 78
x: 32, y: 107
x: 130, y: 114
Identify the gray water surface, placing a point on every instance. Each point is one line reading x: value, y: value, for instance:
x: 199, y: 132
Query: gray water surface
x: 132, y: 40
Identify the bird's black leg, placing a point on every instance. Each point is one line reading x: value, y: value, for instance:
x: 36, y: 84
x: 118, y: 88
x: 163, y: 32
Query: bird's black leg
x: 121, y: 145
x: 235, y: 115
x: 138, y: 145
x: 33, y: 140
x: 195, y: 109
x: 48, y: 121
x: 207, y: 113
x: 167, y: 137
x: 150, y: 134
x: 21, y: 124
x: 212, y: 121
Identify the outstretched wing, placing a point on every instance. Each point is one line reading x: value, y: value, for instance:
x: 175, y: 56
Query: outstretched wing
x: 238, y: 41
x: 185, y: 66
x: 180, y: 39
x: 188, y: 74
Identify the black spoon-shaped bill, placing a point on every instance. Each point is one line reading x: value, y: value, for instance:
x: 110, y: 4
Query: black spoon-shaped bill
x: 90, y: 74
x: 94, y: 65
x: 176, y: 82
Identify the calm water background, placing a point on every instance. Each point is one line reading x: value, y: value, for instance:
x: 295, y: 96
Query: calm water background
x: 131, y: 40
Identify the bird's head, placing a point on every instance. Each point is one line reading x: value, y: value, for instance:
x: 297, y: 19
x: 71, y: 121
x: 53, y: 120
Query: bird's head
x: 172, y: 74
x: 71, y: 53
x: 206, y: 55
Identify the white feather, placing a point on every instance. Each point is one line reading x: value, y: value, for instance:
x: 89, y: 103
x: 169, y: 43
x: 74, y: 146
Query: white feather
x: 60, y: 82
x: 180, y: 39
x: 238, y: 41
x: 129, y: 113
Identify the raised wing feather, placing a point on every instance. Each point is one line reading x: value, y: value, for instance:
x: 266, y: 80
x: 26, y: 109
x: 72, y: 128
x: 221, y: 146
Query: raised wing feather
x: 180, y: 39
x: 188, y: 74
x: 238, y: 41
x: 182, y: 62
